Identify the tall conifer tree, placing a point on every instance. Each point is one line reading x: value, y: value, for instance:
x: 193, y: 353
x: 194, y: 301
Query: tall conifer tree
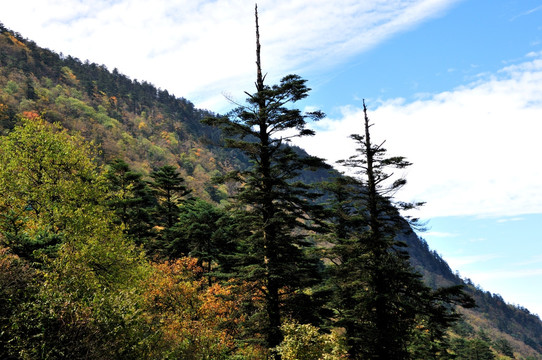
x: 132, y: 200
x: 379, y: 298
x: 170, y: 190
x: 273, y: 209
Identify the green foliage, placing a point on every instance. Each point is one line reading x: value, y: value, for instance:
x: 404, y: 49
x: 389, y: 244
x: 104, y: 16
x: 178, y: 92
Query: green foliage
x: 83, y: 300
x: 16, y: 278
x: 503, y: 347
x: 306, y: 342
x: 132, y: 201
x: 205, y: 232
x: 436, y: 317
x: 473, y: 349
x: 11, y: 87
x: 86, y: 305
x: 49, y: 185
x: 170, y: 189
x: 379, y: 299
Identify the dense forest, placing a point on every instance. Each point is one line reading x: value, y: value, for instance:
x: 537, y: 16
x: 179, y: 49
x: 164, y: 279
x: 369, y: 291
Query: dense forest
x: 135, y: 226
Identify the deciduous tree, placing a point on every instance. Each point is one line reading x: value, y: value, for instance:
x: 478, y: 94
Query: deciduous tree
x: 83, y: 299
x: 49, y: 187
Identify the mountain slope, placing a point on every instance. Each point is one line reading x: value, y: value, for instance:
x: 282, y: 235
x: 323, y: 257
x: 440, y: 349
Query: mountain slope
x: 492, y: 314
x: 148, y: 127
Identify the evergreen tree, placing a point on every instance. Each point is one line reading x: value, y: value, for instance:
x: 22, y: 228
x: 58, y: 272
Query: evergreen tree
x: 204, y: 231
x: 430, y: 338
x: 379, y: 298
x: 273, y: 210
x: 504, y: 347
x: 472, y: 349
x: 169, y: 189
x: 132, y: 200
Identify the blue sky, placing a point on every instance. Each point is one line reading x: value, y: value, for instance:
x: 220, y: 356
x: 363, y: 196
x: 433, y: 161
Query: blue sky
x: 453, y: 85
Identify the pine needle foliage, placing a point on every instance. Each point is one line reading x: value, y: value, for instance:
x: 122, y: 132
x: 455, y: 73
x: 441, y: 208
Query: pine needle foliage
x: 275, y: 211
x: 378, y: 297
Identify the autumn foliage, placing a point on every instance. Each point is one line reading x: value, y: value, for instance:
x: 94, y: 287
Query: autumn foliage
x: 196, y: 321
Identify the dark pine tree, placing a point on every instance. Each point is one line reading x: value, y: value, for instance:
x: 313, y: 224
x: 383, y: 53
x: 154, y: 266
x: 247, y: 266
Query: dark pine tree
x: 206, y: 232
x: 170, y: 191
x: 378, y: 296
x: 430, y: 339
x: 132, y: 200
x: 273, y: 209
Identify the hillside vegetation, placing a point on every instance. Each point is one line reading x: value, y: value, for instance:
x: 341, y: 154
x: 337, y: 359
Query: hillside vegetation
x: 128, y: 230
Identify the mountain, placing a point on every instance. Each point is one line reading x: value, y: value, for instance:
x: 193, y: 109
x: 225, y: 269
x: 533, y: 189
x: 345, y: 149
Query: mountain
x: 146, y: 126
x: 149, y: 127
x: 492, y: 318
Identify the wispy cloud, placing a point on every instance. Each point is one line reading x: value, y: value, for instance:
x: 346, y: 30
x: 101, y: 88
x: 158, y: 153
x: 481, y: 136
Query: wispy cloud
x: 536, y: 259
x: 478, y: 239
x: 514, y: 219
x: 200, y: 49
x: 506, y: 274
x: 528, y: 12
x: 439, y: 234
x: 457, y: 262
x: 475, y: 148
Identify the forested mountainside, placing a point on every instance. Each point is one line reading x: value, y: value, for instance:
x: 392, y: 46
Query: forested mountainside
x: 135, y: 121
x: 146, y: 134
x: 492, y: 318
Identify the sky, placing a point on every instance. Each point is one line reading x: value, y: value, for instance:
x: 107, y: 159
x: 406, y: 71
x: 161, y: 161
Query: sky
x: 453, y: 85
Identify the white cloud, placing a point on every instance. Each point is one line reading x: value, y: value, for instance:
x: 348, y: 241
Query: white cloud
x: 200, y: 49
x: 514, y: 219
x: 484, y: 276
x: 478, y: 239
x: 528, y: 12
x: 458, y: 262
x: 438, y: 234
x: 536, y: 259
x: 475, y: 149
